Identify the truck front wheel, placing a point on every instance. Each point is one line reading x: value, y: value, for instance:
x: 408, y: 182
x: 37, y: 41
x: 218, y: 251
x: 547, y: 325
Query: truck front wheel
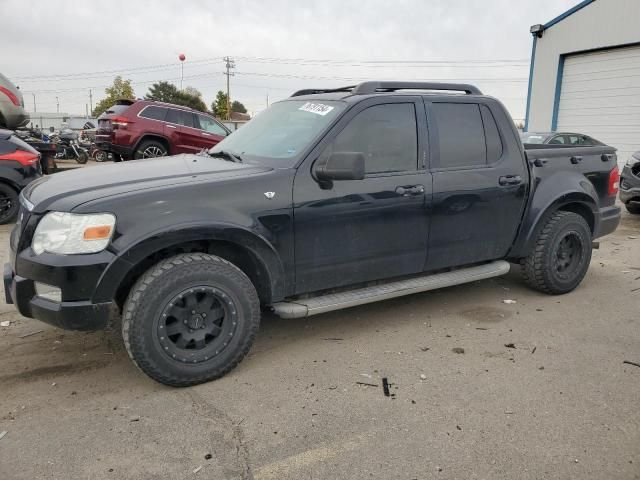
x: 190, y: 318
x: 560, y: 256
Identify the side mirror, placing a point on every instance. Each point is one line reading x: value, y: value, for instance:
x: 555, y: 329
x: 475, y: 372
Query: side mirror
x: 340, y: 166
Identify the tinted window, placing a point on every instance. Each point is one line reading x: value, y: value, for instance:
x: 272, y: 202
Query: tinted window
x: 117, y: 109
x: 386, y: 134
x: 154, y: 113
x: 208, y: 124
x: 460, y: 134
x: 557, y: 140
x: 180, y: 117
x: 492, y: 135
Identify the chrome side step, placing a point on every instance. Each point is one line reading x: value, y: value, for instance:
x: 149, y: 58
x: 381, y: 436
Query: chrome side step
x: 336, y: 301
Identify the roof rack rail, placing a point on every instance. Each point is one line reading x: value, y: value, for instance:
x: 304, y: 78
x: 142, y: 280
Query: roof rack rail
x: 366, y: 88
x: 313, y: 91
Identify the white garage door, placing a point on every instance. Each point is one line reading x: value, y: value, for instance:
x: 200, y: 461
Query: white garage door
x: 600, y: 96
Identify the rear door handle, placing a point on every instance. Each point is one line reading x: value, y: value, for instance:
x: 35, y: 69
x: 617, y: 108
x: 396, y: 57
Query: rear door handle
x: 575, y: 160
x: 510, y: 180
x: 407, y: 191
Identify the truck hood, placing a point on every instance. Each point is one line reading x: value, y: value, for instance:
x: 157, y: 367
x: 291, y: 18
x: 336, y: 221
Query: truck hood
x: 66, y: 190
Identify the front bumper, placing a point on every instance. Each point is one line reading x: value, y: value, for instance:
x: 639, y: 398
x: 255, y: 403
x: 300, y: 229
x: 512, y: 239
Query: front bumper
x: 75, y: 315
x: 629, y: 186
x: 83, y: 306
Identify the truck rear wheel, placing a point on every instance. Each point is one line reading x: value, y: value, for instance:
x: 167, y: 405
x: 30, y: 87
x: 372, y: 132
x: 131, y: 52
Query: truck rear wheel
x: 190, y: 318
x: 633, y: 208
x: 560, y: 257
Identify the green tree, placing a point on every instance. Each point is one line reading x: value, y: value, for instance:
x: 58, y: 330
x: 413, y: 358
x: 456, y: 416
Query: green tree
x: 169, y: 93
x: 238, y: 107
x: 219, y: 105
x: 120, y: 89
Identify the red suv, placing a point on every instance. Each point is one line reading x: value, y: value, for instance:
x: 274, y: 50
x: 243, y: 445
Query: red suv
x: 145, y: 129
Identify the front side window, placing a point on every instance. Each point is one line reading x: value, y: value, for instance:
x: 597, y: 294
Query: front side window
x: 208, y: 124
x: 386, y: 134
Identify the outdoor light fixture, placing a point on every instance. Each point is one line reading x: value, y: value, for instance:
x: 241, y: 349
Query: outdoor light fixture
x: 537, y: 30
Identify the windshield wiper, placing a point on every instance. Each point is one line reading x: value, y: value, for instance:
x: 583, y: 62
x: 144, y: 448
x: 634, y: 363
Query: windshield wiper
x: 227, y: 155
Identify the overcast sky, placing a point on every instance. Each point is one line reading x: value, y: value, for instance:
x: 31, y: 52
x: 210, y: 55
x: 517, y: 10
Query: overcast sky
x: 279, y: 46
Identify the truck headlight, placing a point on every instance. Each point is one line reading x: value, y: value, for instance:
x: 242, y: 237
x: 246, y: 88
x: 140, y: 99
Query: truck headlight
x: 71, y: 233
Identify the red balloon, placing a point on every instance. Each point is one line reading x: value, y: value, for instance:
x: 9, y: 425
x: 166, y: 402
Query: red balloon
x: 182, y: 57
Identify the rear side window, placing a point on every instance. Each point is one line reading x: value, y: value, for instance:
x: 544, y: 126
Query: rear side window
x: 180, y: 117
x: 386, y: 134
x: 154, y: 113
x: 492, y: 135
x: 557, y: 140
x: 460, y: 135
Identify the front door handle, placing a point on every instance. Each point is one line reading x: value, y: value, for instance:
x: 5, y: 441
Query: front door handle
x: 510, y: 180
x: 408, y: 191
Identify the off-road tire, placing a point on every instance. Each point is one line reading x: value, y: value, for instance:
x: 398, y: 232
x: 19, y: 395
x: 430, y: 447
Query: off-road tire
x: 149, y: 145
x: 539, y: 268
x: 633, y: 208
x: 151, y: 294
x: 10, y: 196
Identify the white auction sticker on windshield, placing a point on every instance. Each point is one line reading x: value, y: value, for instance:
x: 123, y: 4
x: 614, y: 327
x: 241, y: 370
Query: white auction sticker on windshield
x: 317, y: 108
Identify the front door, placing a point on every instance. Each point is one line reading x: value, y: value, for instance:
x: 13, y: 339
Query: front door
x: 360, y: 230
x: 479, y: 183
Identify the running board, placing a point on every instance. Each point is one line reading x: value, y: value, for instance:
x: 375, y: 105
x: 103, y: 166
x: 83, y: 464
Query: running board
x: 336, y: 301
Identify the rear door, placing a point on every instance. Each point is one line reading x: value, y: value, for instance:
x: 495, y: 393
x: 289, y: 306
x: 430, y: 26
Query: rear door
x: 211, y: 132
x: 181, y: 131
x: 360, y: 230
x: 479, y: 183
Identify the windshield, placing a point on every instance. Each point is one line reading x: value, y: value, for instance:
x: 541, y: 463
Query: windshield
x: 280, y: 134
x: 532, y: 137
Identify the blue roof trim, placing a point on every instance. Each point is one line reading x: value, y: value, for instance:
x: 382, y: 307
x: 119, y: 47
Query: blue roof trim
x: 531, y: 63
x: 569, y: 12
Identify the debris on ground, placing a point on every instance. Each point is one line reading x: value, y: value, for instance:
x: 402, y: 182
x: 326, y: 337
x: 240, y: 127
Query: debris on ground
x: 481, y: 328
x: 534, y: 350
x: 423, y: 376
x: 197, y: 469
x: 385, y: 387
x: 439, y: 469
x: 424, y: 349
x: 367, y: 384
x: 334, y: 339
x: 208, y: 456
x: 457, y: 350
x: 365, y: 375
x: 508, y: 301
x: 631, y: 363
x: 2, y: 434
x: 509, y: 412
x: 135, y: 418
x: 6, y: 323
x: 25, y: 335
x: 510, y: 345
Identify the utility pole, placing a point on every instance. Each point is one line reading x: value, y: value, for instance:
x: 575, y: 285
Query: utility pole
x: 229, y: 64
x: 34, y: 102
x: 86, y: 110
x: 91, y: 101
x: 57, y: 105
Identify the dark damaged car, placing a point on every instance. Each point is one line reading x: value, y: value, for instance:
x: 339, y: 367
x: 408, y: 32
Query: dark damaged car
x: 329, y: 199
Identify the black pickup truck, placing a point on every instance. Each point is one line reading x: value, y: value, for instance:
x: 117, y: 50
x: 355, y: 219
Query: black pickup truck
x: 326, y: 200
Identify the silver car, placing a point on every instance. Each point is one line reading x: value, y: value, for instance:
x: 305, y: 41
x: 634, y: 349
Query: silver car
x: 12, y: 112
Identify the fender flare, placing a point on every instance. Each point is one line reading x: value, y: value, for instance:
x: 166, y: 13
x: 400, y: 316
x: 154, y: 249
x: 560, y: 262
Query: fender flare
x: 535, y: 217
x: 262, y: 251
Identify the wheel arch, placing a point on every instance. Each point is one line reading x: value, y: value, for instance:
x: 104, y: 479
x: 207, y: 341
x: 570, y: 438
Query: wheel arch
x: 254, y: 255
x: 153, y: 136
x: 577, y: 202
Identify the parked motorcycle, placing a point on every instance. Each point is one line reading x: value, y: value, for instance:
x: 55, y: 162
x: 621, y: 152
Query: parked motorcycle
x: 68, y: 147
